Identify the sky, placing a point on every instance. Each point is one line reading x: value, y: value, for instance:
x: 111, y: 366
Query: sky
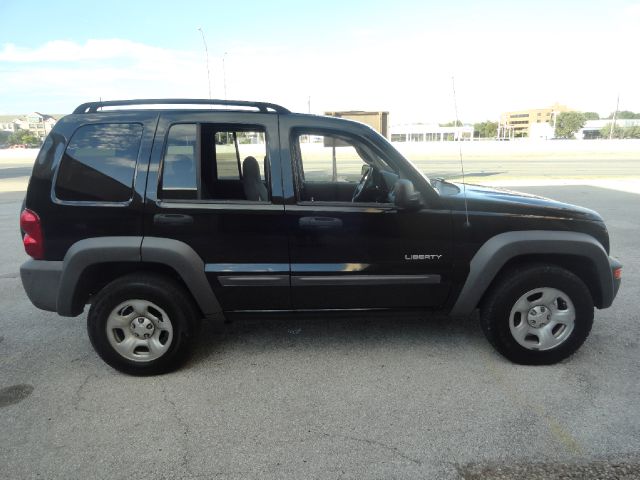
x: 398, y: 56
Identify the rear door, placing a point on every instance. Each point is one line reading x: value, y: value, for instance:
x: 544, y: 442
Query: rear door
x: 196, y: 194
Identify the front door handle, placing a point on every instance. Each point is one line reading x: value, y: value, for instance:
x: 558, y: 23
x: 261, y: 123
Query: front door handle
x: 319, y: 223
x: 172, y: 219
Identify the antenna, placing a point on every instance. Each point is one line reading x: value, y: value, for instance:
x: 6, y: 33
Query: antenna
x: 464, y: 185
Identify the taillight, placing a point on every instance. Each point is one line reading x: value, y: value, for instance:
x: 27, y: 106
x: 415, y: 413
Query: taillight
x: 32, y: 239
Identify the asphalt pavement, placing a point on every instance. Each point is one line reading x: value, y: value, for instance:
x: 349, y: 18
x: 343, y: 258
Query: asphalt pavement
x: 349, y: 397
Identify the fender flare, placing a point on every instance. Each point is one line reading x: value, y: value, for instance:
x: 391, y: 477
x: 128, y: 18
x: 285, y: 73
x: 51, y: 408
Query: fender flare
x: 136, y: 249
x: 498, y: 250
x: 184, y: 260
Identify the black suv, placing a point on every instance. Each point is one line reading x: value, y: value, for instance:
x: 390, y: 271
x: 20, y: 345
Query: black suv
x: 158, y: 218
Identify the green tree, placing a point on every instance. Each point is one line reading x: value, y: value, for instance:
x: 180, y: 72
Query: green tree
x: 632, y: 132
x: 625, y: 115
x: 23, y: 137
x: 4, y: 137
x: 618, y: 131
x: 591, y: 116
x: 487, y: 129
x: 453, y: 123
x: 568, y: 123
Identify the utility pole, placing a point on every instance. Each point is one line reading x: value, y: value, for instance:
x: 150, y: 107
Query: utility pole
x: 309, y: 104
x: 224, y: 75
x: 206, y: 51
x: 615, y: 114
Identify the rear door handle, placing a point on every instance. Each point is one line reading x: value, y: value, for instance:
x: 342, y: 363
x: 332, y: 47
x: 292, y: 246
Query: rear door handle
x: 319, y: 223
x: 172, y: 219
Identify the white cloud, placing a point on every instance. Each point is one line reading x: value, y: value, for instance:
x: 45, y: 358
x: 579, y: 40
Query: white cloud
x: 67, y: 51
x: 632, y: 11
x: 410, y: 75
x: 61, y: 74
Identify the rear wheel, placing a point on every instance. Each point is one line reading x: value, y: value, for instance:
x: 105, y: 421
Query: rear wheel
x: 142, y: 324
x: 537, y: 315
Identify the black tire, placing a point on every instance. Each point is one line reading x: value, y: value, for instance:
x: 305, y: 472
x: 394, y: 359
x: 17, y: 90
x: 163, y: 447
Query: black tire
x: 162, y: 292
x: 512, y: 286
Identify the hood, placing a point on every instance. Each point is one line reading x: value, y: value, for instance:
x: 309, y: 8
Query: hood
x: 499, y: 200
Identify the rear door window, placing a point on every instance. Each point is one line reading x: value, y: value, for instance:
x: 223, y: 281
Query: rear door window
x: 215, y: 162
x: 99, y: 163
x: 232, y: 147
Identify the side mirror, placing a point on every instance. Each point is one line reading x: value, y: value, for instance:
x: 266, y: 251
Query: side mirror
x: 405, y: 196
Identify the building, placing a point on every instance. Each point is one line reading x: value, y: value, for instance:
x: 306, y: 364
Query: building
x: 519, y: 122
x: 376, y: 120
x: 40, y: 124
x: 37, y: 123
x: 592, y: 128
x: 9, y: 123
x: 419, y: 132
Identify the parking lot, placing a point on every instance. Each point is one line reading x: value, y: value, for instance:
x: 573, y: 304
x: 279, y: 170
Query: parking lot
x: 365, y: 396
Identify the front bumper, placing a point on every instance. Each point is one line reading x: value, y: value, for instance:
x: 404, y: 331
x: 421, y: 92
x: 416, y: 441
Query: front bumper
x: 41, y: 281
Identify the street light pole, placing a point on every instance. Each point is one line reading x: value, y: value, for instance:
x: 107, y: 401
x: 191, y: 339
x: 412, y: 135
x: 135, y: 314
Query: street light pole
x: 206, y: 51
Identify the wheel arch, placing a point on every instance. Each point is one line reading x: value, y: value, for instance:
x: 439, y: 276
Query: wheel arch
x: 582, y: 267
x: 577, y: 252
x: 91, y: 264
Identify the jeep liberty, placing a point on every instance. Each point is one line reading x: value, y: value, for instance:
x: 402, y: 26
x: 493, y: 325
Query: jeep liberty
x: 158, y: 218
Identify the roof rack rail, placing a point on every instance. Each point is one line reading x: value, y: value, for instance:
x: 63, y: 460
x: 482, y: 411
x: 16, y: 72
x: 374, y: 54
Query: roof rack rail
x: 92, y: 107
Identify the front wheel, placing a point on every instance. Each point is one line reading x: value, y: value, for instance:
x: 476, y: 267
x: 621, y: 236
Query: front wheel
x: 537, y: 315
x: 142, y: 324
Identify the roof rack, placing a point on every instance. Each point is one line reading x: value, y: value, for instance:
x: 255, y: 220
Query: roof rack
x: 92, y: 107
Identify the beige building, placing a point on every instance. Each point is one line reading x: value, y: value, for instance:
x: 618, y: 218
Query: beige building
x: 40, y: 124
x: 37, y: 123
x: 518, y: 123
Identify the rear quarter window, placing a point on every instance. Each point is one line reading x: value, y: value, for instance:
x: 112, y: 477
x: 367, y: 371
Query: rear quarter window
x: 99, y: 163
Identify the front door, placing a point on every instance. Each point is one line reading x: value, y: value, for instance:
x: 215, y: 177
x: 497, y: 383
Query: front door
x: 215, y: 184
x: 350, y: 247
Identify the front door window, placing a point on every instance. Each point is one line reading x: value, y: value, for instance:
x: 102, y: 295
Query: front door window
x: 337, y: 168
